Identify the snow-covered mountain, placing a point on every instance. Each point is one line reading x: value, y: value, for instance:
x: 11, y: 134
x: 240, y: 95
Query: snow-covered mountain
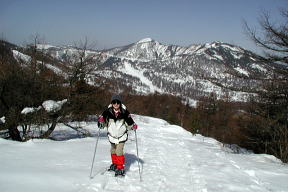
x: 148, y: 66
x: 171, y: 159
x: 189, y: 72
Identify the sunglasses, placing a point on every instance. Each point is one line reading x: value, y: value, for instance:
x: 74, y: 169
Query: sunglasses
x: 116, y: 102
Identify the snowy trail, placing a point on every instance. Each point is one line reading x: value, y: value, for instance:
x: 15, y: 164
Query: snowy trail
x: 174, y: 160
x: 171, y: 159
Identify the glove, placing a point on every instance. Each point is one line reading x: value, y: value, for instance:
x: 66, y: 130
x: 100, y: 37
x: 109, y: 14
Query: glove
x: 135, y: 126
x: 101, y: 122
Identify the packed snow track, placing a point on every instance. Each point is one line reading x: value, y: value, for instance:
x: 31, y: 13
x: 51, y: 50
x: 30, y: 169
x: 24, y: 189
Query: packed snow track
x: 170, y: 158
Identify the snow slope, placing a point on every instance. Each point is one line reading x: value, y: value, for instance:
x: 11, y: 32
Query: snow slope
x: 171, y: 159
x: 128, y: 69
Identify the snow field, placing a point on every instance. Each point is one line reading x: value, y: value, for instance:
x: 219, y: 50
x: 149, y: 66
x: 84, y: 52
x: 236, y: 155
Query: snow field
x: 171, y: 159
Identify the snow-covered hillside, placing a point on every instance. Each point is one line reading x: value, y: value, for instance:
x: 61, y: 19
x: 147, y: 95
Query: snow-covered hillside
x: 171, y: 159
x: 189, y: 72
x: 148, y: 66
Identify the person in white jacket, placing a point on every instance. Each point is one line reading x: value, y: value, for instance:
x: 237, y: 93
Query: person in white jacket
x: 118, y: 121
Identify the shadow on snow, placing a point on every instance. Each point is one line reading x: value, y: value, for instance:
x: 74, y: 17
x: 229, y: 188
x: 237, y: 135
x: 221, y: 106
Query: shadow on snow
x: 131, y: 159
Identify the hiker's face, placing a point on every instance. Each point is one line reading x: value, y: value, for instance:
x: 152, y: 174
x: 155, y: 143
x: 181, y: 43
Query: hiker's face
x: 116, y: 106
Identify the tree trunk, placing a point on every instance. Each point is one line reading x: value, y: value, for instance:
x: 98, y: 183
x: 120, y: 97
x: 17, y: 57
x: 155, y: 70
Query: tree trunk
x: 50, y: 130
x: 14, y: 133
x: 12, y: 123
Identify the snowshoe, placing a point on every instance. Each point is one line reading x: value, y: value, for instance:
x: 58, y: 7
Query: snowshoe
x: 112, y: 167
x: 119, y: 173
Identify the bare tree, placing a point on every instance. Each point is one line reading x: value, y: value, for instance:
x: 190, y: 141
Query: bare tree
x: 21, y: 85
x: 274, y: 38
x: 80, y: 63
x: 273, y: 102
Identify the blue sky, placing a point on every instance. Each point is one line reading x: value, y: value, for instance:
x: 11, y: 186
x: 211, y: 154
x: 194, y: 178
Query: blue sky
x: 111, y: 23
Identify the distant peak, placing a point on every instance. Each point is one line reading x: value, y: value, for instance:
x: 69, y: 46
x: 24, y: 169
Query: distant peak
x: 145, y: 40
x: 44, y: 46
x: 214, y: 43
x: 217, y: 42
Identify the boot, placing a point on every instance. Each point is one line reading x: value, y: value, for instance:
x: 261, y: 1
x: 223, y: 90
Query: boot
x: 113, y: 166
x: 119, y: 172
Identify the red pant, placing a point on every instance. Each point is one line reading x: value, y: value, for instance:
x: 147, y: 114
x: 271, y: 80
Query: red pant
x: 118, y: 160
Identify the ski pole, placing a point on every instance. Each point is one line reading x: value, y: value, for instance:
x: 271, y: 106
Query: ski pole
x: 94, y: 153
x: 138, y: 156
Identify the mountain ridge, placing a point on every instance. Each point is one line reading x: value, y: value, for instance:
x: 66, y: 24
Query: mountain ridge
x: 148, y: 66
x: 213, y: 56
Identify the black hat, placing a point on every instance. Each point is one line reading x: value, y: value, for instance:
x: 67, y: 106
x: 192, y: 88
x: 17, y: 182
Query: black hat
x: 116, y: 97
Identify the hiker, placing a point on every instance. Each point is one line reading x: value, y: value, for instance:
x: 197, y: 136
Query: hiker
x: 118, y: 121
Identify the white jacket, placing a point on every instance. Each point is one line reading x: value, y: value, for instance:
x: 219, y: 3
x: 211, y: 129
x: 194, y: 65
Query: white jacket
x: 118, y: 127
